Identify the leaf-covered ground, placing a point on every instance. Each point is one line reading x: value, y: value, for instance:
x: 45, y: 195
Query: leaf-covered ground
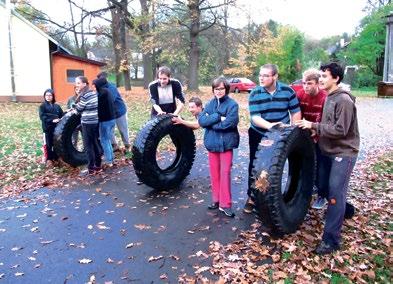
x: 21, y: 165
x: 253, y: 256
x: 366, y: 255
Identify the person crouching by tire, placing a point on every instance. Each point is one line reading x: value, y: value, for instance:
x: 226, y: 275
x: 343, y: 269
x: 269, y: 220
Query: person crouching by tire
x: 50, y: 114
x: 88, y: 107
x: 106, y: 118
x: 163, y: 93
x: 339, y: 143
x: 220, y: 119
x: 195, y: 107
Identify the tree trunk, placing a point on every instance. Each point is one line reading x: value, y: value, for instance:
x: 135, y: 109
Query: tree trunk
x: 226, y: 38
x: 116, y: 43
x: 123, y: 43
x: 195, y: 15
x: 146, y: 56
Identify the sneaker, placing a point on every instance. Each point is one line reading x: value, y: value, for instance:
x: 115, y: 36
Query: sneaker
x: 227, y: 211
x: 86, y: 172
x: 325, y: 248
x: 319, y: 203
x: 213, y: 206
x: 349, y: 211
x: 249, y: 206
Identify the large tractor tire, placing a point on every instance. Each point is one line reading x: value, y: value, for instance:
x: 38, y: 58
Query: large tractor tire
x: 68, y: 140
x: 144, y: 153
x: 284, y: 152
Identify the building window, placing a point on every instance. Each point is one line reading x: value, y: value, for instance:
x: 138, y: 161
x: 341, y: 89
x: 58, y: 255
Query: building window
x: 72, y: 74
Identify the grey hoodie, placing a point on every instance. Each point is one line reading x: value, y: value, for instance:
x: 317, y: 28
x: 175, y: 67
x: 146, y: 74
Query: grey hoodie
x: 338, y: 130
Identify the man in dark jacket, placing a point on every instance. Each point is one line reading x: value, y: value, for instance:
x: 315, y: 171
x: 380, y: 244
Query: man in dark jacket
x: 120, y: 113
x: 339, y: 143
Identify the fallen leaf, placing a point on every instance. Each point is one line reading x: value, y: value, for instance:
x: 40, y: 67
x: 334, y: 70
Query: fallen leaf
x: 155, y: 258
x: 85, y: 261
x: 142, y: 227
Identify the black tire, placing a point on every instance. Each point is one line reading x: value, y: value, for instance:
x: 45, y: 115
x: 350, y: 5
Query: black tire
x: 284, y: 210
x: 64, y: 145
x: 145, y: 148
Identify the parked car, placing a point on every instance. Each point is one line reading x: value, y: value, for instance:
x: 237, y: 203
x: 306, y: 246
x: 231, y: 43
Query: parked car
x: 241, y: 85
x: 298, y: 85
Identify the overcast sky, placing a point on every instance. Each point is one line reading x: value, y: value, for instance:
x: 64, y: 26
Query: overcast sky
x: 316, y: 18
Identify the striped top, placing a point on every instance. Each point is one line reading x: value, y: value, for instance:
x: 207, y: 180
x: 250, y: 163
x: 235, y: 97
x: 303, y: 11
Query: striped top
x: 88, y: 106
x: 273, y: 107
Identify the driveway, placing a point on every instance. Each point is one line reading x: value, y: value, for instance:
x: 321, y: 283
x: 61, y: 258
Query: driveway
x: 115, y: 230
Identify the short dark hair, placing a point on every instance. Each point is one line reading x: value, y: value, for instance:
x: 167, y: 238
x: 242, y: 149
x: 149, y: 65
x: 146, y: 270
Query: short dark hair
x: 217, y: 82
x: 335, y: 70
x: 164, y: 70
x: 83, y: 79
x: 102, y: 74
x: 197, y: 101
x: 271, y: 67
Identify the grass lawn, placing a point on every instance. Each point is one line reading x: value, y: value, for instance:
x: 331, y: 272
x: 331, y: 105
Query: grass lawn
x: 21, y: 133
x: 365, y: 92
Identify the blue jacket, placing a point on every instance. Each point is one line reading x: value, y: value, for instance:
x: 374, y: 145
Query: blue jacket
x: 120, y: 106
x: 220, y: 136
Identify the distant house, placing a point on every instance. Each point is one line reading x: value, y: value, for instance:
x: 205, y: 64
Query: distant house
x: 38, y: 62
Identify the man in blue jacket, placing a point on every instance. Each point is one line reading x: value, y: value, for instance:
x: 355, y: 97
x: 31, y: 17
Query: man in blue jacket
x: 120, y: 114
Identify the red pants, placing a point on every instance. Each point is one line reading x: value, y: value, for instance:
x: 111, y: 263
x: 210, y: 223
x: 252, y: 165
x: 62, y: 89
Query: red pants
x: 220, y: 175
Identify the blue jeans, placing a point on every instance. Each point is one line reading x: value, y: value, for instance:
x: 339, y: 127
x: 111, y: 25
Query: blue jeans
x: 122, y: 125
x: 333, y: 179
x: 106, y: 132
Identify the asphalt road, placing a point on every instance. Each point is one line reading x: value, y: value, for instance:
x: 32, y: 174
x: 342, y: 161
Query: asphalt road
x: 129, y: 233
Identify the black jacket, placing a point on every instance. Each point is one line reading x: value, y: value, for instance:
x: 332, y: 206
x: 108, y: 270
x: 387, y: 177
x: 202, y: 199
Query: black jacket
x: 106, y: 105
x: 177, y: 92
x: 48, y: 112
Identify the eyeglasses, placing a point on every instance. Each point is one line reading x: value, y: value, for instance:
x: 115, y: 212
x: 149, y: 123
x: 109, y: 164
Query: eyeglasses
x: 219, y: 89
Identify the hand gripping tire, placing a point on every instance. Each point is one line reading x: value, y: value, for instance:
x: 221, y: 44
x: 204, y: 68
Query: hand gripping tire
x: 283, y: 208
x: 145, y: 148
x: 63, y: 142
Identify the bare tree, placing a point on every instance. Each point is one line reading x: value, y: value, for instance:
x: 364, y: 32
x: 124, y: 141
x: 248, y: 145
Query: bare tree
x: 375, y: 4
x: 196, y: 16
x: 144, y: 30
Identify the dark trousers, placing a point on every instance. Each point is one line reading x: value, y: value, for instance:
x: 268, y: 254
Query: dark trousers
x: 333, y: 178
x: 91, y: 144
x: 52, y: 156
x: 254, y: 138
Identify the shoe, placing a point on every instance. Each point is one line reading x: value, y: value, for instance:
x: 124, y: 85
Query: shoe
x: 319, y: 203
x: 249, y: 206
x: 227, y: 211
x: 325, y: 248
x: 349, y: 211
x: 213, y: 206
x: 139, y: 182
x: 86, y: 172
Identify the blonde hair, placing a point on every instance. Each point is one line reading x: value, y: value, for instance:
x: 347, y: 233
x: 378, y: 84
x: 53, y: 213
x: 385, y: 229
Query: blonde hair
x: 311, y: 74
